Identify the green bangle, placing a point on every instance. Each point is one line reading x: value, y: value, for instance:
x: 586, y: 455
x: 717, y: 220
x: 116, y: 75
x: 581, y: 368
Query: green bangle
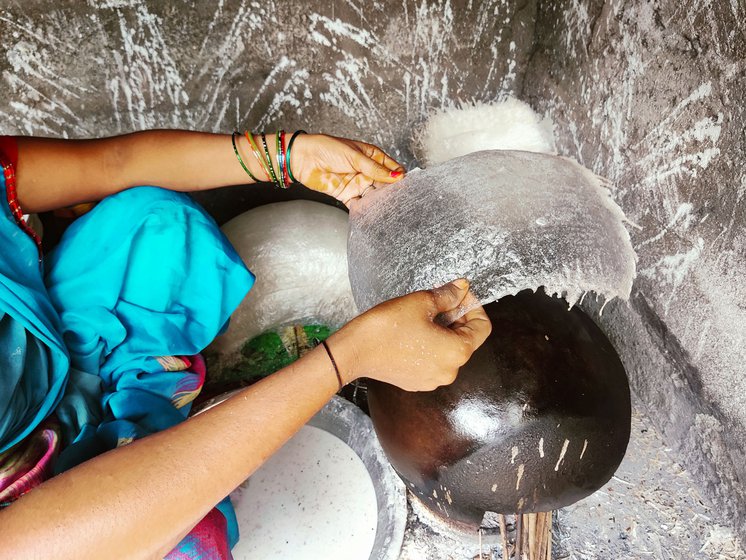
x: 235, y: 150
x: 257, y: 154
x: 287, y: 154
x: 281, y: 184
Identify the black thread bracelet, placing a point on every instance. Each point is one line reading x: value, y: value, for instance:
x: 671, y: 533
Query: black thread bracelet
x: 334, y: 363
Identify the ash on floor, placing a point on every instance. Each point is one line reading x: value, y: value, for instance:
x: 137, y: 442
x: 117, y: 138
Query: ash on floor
x: 651, y: 509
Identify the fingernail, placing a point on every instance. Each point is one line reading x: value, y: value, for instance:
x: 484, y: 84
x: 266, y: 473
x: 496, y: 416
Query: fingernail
x: 395, y: 174
x: 461, y: 283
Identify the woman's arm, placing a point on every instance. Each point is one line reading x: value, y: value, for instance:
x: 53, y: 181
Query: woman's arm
x: 138, y: 501
x: 57, y: 173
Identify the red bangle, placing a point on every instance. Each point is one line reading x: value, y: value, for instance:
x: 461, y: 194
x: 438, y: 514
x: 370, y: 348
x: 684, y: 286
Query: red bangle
x: 283, y: 148
x: 13, y: 204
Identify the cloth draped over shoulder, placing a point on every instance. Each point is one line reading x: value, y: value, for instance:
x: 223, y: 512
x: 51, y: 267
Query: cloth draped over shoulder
x: 30, y: 339
x: 106, y: 338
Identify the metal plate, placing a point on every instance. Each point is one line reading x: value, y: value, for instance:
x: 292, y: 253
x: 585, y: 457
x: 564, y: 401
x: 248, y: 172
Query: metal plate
x: 346, y: 421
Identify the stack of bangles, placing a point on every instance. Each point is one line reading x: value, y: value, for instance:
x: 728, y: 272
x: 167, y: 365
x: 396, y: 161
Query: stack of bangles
x: 282, y: 176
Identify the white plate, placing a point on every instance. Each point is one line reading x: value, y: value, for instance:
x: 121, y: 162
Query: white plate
x: 323, y: 502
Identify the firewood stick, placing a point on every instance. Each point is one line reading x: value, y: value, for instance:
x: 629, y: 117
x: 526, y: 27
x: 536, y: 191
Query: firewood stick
x: 518, y: 536
x: 526, y: 542
x: 540, y: 530
x: 504, y: 533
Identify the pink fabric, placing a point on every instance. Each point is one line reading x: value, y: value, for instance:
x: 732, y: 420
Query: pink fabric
x: 29, y: 463
x: 207, y: 541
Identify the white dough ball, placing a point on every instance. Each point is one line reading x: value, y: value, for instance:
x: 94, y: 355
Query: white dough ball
x: 505, y: 125
x: 298, y: 252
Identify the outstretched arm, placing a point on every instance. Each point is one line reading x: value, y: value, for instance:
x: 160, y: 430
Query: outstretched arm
x: 56, y: 173
x: 138, y: 501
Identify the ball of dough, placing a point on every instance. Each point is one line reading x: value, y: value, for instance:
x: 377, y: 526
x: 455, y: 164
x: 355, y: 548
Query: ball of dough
x: 298, y: 252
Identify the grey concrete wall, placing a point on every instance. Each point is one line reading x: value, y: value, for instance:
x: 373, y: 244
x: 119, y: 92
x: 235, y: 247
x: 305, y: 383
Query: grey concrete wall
x: 356, y: 68
x: 647, y: 93
x: 651, y: 95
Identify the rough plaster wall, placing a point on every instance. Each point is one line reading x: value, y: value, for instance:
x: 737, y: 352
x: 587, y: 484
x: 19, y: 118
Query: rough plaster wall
x: 357, y: 68
x: 650, y: 94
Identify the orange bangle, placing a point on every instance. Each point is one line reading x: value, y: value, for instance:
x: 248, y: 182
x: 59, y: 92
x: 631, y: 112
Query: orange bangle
x: 258, y: 154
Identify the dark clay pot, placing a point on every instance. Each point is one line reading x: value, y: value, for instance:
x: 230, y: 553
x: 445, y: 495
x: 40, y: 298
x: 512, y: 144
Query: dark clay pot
x: 538, y: 419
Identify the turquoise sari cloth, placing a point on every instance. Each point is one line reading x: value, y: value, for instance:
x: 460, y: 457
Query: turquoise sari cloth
x: 34, y: 362
x: 163, y: 281
x: 146, y: 274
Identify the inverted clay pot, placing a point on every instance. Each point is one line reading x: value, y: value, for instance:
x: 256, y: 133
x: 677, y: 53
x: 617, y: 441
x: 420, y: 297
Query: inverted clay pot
x: 538, y: 419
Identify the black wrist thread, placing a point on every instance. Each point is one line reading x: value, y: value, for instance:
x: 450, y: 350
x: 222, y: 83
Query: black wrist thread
x: 334, y: 363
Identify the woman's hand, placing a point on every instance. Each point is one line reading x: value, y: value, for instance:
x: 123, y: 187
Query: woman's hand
x: 401, y: 342
x: 341, y: 168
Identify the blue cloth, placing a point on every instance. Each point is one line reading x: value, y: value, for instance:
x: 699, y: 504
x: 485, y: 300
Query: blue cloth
x: 147, y: 273
x: 157, y: 279
x: 34, y: 362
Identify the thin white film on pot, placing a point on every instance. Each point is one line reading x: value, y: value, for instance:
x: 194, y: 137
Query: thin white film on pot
x: 506, y: 220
